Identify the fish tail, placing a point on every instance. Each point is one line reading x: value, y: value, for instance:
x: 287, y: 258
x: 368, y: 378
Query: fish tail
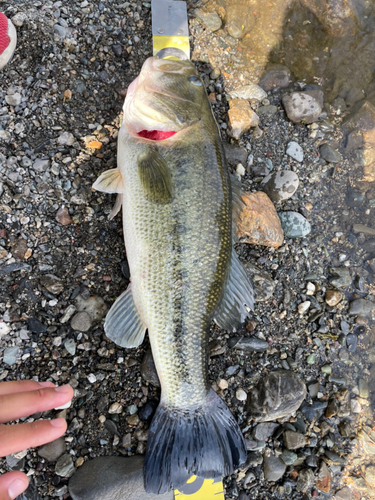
x: 206, y: 442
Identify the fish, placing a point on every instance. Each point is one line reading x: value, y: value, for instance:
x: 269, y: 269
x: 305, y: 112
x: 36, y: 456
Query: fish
x: 178, y: 200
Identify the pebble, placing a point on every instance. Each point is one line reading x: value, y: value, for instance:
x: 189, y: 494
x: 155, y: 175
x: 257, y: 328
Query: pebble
x: 340, y: 277
x: 361, y: 307
x: 363, y: 389
x: 273, y: 468
x: 276, y: 395
x: 53, y: 450
x: 295, y: 151
x: 329, y: 154
x: 280, y: 186
x: 333, y: 297
x: 351, y: 342
x: 10, y: 355
x: 294, y: 225
x: 305, y: 480
x: 68, y: 313
x: 211, y: 20
x: 115, y: 408
x: 288, y: 457
x: 277, y: 76
x: 304, y: 307
x: 267, y: 112
x: 241, y: 395
x: 63, y: 217
x: 94, y: 306
x: 70, y: 346
x: 361, y: 228
x: 301, y: 107
x: 148, y: 370
x: 64, y: 466
x: 13, y: 99
x: 66, y: 139
x: 222, y: 384
x: 294, y: 440
x: 259, y: 223
x: 250, y: 344
x: 133, y: 420
x: 36, y: 326
x: 4, y: 329
x: 344, y: 494
x: 235, y: 154
x: 327, y: 369
x: 81, y: 322
x: 241, y: 117
x: 370, y: 476
x: 91, y: 378
x: 314, y: 411
x: 147, y: 411
x: 264, y: 430
x: 249, y: 92
x: 52, y: 283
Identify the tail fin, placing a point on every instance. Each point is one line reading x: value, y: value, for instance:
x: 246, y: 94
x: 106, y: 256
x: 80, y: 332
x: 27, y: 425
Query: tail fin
x: 206, y: 442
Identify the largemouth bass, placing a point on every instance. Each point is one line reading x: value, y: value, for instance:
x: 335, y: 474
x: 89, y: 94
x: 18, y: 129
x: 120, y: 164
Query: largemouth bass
x: 175, y: 190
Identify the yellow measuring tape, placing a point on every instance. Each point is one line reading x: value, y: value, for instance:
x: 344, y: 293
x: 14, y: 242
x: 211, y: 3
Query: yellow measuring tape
x: 170, y: 38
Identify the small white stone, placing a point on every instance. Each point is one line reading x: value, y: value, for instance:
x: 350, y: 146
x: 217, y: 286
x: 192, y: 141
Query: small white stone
x: 310, y: 288
x: 115, y: 408
x: 57, y: 341
x: 102, y: 419
x: 91, y: 378
x: 222, y: 384
x: 355, y: 406
x: 240, y: 170
x: 241, y: 395
x: 4, y: 329
x: 304, y: 307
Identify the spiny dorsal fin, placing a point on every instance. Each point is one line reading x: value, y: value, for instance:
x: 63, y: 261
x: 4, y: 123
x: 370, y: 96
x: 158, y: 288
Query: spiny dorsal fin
x: 110, y: 181
x: 123, y: 325
x: 154, y: 176
x: 238, y: 293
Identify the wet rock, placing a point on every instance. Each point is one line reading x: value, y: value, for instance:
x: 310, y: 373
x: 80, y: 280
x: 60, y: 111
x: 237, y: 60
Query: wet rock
x: 354, y: 199
x: 338, y: 18
x: 278, y: 394
x: 361, y: 307
x: 249, y: 344
x: 64, y: 466
x: 294, y: 225
x: 363, y: 387
x: 301, y: 107
x: 63, y: 217
x: 267, y: 112
x: 344, y: 428
x: 259, y: 223
x: 273, y: 468
x: 361, y: 228
x: 295, y: 151
x: 110, y: 478
x: 52, y: 451
x: 305, y: 480
x: 241, y: 117
x: 277, y: 76
x: 239, y: 19
x: 147, y: 411
x: 249, y: 92
x: 52, y: 283
x: 333, y: 297
x: 94, y: 306
x: 148, y: 369
x: 210, y: 20
x: 314, y: 411
x: 81, y: 322
x: 235, y: 154
x: 294, y: 440
x: 280, y: 186
x: 340, y: 277
x: 329, y: 154
x: 323, y: 481
x: 264, y: 430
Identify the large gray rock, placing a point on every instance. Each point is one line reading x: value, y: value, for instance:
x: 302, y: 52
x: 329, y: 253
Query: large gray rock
x: 280, y: 186
x: 278, y: 394
x: 112, y: 478
x: 302, y: 107
x: 273, y: 468
x: 52, y: 451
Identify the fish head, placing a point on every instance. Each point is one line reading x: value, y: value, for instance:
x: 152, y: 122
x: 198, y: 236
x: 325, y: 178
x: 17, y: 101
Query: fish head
x: 164, y: 99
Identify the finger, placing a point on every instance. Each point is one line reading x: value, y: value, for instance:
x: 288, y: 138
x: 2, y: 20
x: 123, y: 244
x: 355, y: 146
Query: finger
x: 12, y: 484
x: 14, y: 438
x: 22, y: 404
x: 22, y: 386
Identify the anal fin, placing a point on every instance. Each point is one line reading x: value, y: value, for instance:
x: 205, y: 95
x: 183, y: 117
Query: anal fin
x: 238, y: 294
x: 123, y: 325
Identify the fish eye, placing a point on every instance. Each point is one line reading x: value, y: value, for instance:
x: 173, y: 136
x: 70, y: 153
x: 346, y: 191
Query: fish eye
x: 195, y: 81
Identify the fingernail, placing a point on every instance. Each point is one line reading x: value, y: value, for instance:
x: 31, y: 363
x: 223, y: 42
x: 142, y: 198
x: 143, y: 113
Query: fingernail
x: 63, y: 388
x: 16, y: 488
x: 58, y: 422
x: 45, y: 384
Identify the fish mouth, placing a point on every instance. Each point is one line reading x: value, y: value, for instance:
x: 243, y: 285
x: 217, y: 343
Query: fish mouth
x: 156, y: 135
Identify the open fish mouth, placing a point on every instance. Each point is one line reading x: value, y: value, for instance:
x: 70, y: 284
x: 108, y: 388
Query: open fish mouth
x: 156, y: 135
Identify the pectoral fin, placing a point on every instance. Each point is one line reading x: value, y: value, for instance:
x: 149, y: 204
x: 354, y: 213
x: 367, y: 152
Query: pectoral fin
x: 238, y: 294
x: 110, y: 182
x: 154, y: 176
x: 123, y: 324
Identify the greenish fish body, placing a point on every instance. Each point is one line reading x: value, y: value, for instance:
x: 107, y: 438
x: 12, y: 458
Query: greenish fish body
x: 176, y: 197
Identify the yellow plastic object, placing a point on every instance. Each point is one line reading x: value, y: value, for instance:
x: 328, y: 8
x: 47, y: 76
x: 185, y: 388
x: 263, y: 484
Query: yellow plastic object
x: 178, y: 47
x: 197, y: 488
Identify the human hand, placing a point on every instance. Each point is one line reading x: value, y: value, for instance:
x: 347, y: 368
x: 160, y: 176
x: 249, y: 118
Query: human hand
x: 20, y: 399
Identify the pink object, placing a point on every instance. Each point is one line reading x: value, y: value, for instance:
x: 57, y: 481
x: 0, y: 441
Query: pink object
x: 155, y: 135
x: 8, y: 40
